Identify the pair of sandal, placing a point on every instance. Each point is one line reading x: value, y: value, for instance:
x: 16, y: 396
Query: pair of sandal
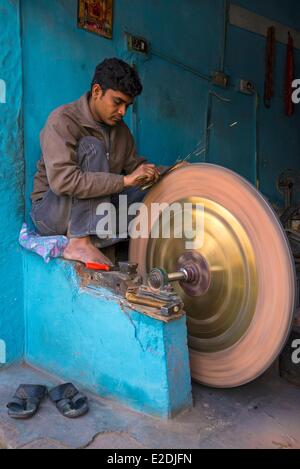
x: 27, y: 399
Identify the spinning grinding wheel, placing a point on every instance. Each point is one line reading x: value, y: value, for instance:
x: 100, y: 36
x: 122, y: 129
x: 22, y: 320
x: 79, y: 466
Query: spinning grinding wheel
x: 239, y: 287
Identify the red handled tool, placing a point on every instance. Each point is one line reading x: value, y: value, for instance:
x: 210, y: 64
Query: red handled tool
x: 96, y: 266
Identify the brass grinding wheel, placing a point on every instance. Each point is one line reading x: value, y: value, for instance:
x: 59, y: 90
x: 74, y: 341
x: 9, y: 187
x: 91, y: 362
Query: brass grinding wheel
x: 239, y: 313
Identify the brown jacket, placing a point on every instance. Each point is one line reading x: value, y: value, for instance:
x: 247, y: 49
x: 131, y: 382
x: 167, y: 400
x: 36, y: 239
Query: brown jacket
x: 58, y: 168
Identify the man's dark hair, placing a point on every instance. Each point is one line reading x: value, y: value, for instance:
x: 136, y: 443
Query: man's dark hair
x: 117, y: 75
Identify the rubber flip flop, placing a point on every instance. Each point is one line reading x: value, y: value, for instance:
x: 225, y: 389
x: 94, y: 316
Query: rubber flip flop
x: 26, y: 401
x: 69, y: 401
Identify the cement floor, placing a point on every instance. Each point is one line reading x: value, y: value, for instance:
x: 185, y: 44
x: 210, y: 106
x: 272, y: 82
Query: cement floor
x: 263, y: 414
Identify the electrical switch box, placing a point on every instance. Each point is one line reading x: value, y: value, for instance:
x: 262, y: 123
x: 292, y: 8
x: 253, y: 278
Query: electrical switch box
x: 137, y: 44
x: 246, y: 87
x: 220, y: 79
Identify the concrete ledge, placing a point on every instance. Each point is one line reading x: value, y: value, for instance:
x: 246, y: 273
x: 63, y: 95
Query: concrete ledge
x: 91, y: 338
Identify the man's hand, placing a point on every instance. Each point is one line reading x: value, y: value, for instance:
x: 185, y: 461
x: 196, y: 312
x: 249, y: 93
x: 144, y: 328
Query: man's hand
x: 145, y: 173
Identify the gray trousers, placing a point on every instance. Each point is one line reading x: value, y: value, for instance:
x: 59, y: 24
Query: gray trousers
x: 55, y: 215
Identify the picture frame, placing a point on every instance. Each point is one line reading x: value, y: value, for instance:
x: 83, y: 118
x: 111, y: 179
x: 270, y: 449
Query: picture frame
x: 96, y: 16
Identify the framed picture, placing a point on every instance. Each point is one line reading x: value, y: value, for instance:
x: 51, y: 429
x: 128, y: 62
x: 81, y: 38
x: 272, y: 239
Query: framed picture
x: 96, y: 16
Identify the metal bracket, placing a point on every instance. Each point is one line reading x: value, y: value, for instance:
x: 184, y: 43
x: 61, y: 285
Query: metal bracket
x: 125, y: 281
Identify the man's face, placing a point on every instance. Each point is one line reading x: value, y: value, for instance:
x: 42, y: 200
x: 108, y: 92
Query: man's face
x: 110, y: 107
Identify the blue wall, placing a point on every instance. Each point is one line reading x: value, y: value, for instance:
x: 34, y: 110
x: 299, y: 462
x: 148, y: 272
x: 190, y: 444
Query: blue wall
x: 90, y: 338
x: 171, y: 117
x: 278, y: 137
x: 11, y: 182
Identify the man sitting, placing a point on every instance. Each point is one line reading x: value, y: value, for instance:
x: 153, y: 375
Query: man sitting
x: 89, y: 157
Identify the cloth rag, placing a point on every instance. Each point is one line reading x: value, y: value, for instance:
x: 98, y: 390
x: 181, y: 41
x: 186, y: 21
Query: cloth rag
x: 45, y: 246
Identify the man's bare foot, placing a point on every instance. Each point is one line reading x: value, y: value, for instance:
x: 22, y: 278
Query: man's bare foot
x: 83, y: 250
